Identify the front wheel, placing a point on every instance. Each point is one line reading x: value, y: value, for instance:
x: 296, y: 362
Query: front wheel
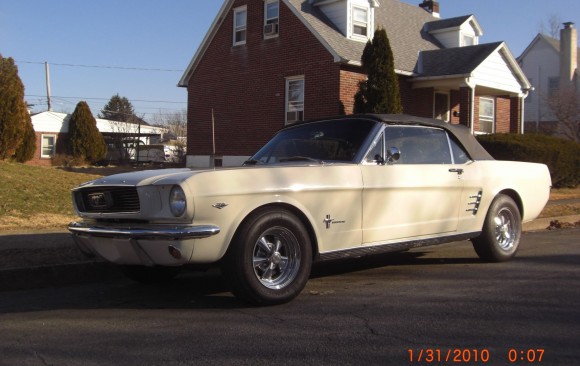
x: 270, y: 258
x: 502, y: 231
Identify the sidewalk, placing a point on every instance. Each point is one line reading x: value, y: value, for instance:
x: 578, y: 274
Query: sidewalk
x: 50, y: 258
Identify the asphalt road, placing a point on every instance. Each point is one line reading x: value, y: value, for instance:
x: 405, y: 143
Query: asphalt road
x: 441, y: 303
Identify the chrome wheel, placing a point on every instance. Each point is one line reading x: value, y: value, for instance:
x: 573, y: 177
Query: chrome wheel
x: 505, y: 232
x: 276, y: 258
x: 501, y: 232
x: 270, y: 257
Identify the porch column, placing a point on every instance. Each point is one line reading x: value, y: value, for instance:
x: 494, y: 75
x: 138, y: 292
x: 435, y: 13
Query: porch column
x: 515, y: 114
x: 465, y: 109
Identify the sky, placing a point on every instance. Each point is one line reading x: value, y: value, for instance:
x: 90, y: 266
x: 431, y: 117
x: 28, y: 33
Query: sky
x: 140, y: 48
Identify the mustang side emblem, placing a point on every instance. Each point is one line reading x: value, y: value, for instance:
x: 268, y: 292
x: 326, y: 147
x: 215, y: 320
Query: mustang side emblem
x: 98, y: 200
x: 219, y: 205
x: 328, y: 221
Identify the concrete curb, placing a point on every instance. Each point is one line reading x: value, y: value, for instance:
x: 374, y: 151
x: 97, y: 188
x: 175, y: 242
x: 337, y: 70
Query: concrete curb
x: 543, y: 224
x: 50, y: 258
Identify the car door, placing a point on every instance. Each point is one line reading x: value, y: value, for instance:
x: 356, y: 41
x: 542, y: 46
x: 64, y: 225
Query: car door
x: 417, y: 195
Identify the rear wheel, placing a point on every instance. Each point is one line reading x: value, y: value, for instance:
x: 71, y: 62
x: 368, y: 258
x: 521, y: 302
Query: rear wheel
x: 502, y: 231
x: 270, y: 258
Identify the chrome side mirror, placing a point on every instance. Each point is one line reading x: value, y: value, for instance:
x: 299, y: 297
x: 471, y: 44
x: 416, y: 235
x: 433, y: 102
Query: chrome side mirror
x: 393, y: 154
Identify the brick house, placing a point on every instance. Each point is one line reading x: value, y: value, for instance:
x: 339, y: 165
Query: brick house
x: 264, y: 64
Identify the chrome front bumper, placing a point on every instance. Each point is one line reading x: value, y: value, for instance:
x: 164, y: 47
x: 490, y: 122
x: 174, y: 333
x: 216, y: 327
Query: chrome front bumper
x: 166, y: 245
x: 152, y: 233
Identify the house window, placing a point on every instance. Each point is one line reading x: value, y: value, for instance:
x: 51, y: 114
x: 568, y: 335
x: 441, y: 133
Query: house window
x: 240, y: 24
x: 553, y: 85
x: 271, y: 18
x: 360, y: 21
x: 441, y: 106
x: 467, y: 40
x: 486, y: 115
x: 294, y: 99
x: 47, y: 146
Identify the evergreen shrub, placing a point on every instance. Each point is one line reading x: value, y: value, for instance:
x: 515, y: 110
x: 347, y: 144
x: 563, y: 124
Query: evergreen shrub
x: 560, y: 155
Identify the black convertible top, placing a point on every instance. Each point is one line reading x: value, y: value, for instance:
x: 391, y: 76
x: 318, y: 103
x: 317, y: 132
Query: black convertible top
x: 462, y: 133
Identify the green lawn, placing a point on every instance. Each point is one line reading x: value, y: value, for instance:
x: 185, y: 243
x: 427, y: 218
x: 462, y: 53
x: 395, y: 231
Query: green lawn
x: 36, y: 197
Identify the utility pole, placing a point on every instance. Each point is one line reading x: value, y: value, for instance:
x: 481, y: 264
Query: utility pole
x: 47, y: 72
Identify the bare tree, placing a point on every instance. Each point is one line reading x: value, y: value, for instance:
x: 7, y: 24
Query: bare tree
x: 124, y: 141
x: 176, y: 123
x: 565, y: 105
x: 552, y: 27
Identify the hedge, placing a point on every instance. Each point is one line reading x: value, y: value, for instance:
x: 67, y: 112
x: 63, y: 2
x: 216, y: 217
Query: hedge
x: 561, y: 156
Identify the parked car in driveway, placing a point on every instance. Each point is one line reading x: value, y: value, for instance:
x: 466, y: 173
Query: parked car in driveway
x: 325, y: 189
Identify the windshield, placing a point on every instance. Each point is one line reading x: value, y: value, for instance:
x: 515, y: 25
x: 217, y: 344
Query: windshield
x: 321, y: 142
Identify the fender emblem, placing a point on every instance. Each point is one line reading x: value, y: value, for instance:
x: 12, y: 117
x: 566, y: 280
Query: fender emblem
x: 219, y: 205
x: 328, y: 221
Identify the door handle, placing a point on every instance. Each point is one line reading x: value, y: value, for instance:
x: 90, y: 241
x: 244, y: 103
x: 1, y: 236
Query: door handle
x: 458, y: 171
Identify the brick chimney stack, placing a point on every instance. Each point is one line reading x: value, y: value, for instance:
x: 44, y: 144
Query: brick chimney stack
x: 432, y: 7
x: 568, y: 54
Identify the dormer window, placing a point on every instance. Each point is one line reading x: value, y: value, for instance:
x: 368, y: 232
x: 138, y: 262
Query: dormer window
x: 271, y: 18
x: 240, y: 25
x: 467, y: 40
x: 360, y: 22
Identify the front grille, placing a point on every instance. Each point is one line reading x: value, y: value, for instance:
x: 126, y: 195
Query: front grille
x: 108, y: 200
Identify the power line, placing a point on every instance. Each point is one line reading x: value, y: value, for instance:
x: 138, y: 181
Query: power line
x: 103, y: 66
x: 89, y: 98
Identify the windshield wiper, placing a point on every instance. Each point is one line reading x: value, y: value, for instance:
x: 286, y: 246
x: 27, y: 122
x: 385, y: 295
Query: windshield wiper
x: 301, y: 158
x: 251, y: 162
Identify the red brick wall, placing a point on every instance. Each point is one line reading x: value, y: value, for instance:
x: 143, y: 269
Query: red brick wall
x: 349, y: 80
x: 465, y: 105
x: 515, y: 115
x: 245, y: 85
x: 502, y: 114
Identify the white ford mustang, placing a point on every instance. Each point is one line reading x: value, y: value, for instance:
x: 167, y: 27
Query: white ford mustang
x: 326, y: 189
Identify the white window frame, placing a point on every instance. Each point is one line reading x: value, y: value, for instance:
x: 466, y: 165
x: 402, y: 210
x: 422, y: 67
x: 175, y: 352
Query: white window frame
x: 298, y: 105
x: 486, y: 118
x: 272, y: 20
x: 240, y: 28
x: 43, y: 146
x: 465, y: 36
x: 447, y: 116
x: 553, y: 85
x: 355, y: 23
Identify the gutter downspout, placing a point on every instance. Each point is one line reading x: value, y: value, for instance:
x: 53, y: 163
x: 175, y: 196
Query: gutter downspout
x: 522, y: 109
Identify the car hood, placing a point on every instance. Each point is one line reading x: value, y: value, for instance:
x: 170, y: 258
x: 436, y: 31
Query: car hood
x: 144, y: 177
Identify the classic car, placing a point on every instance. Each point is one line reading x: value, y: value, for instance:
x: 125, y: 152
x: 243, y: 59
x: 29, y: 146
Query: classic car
x: 333, y: 188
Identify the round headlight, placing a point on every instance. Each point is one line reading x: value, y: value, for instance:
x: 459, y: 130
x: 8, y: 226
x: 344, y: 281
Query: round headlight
x: 177, y: 202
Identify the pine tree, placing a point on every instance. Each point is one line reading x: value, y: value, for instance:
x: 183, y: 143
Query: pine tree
x: 25, y: 151
x: 15, y: 122
x: 118, y: 109
x: 379, y: 93
x: 84, y: 139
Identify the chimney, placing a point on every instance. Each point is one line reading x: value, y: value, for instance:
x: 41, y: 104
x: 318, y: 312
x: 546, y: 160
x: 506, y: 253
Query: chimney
x: 568, y: 54
x: 431, y: 7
